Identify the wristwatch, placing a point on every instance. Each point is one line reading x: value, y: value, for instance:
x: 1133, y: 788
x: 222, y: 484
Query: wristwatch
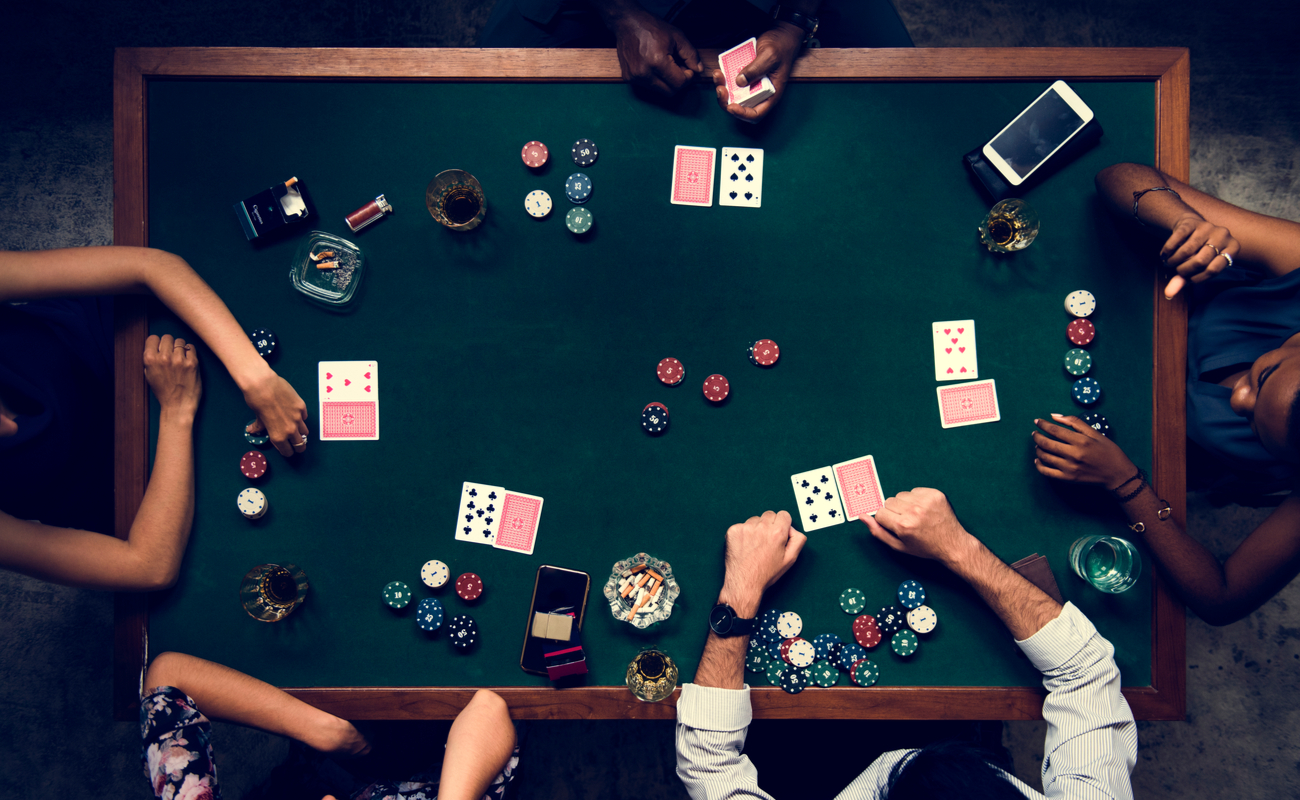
x: 809, y: 24
x: 724, y: 622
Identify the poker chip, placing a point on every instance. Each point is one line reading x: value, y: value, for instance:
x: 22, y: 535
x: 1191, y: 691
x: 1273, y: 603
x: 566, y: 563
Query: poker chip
x: 910, y: 594
x: 866, y: 632
x: 1086, y: 391
x: 264, y: 340
x: 784, y: 651
x: 824, y: 674
x: 462, y: 631
x: 397, y: 594
x: 585, y: 152
x: 904, y: 643
x: 428, y: 614
x: 794, y: 680
x: 865, y: 672
x: 823, y: 643
x: 578, y: 220
x: 252, y: 465
x: 537, y: 203
x: 757, y: 660
x: 469, y: 587
x: 578, y: 188
x: 801, y: 653
x: 1078, y: 362
x: 670, y: 372
x: 767, y: 629
x: 654, y: 419
x: 255, y: 439
x: 837, y: 649
x: 775, y: 669
x: 777, y: 650
x: 891, y: 619
x: 922, y: 619
x: 789, y: 625
x: 1081, y: 332
x: 716, y: 388
x: 764, y: 353
x: 434, y: 574
x: 535, y: 154
x: 1098, y: 423
x: 853, y: 601
x: 252, y: 503
x: 1080, y: 303
x: 850, y: 654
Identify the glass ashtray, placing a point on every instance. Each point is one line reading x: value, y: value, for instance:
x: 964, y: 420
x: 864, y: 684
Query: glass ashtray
x: 641, y: 590
x: 336, y: 283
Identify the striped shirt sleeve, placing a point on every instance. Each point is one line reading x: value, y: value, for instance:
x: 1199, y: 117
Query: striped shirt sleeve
x: 711, y: 727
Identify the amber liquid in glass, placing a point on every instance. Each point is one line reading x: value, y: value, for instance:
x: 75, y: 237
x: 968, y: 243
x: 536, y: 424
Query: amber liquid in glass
x: 279, y: 588
x: 460, y: 206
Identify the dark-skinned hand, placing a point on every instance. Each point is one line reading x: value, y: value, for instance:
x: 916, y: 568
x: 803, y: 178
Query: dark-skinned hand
x: 776, y: 51
x: 1072, y: 450
x: 654, y: 54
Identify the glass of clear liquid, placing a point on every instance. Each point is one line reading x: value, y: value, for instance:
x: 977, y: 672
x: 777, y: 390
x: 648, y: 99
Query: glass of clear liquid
x: 1010, y: 225
x: 1109, y: 563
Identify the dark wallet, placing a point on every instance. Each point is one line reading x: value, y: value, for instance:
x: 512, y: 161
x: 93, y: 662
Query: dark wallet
x: 1038, y: 572
x: 997, y: 188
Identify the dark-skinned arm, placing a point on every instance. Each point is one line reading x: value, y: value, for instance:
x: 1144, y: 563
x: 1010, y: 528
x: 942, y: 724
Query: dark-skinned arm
x: 652, y: 53
x: 774, y: 55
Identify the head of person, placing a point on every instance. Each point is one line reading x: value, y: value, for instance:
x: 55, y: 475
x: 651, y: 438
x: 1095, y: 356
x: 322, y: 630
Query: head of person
x: 1268, y: 396
x: 950, y: 769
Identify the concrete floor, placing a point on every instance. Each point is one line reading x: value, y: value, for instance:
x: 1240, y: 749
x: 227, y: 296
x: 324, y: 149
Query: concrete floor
x: 56, y: 735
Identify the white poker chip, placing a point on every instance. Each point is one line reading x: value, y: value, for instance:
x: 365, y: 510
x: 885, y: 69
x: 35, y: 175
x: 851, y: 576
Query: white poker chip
x: 537, y: 203
x: 434, y: 574
x: 789, y: 625
x: 1080, y: 303
x: 252, y: 503
x: 922, y: 619
x: 803, y: 653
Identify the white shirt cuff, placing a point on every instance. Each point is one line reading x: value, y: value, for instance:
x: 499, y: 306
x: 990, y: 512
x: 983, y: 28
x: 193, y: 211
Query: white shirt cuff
x: 1059, y: 640
x: 707, y: 708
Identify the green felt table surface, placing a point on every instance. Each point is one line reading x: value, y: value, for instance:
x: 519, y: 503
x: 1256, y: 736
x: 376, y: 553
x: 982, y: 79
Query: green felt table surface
x: 521, y: 356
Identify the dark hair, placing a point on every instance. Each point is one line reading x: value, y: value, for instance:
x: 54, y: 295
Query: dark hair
x: 947, y: 770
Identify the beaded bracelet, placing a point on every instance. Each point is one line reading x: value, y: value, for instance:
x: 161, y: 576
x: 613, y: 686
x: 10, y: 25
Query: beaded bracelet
x: 1127, y: 497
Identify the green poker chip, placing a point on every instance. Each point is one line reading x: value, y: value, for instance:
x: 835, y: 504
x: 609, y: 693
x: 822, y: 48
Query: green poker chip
x: 824, y: 674
x: 774, y: 671
x: 397, y: 595
x: 255, y: 439
x: 853, y: 601
x: 904, y: 643
x: 865, y: 672
x: 1078, y: 361
x: 757, y: 661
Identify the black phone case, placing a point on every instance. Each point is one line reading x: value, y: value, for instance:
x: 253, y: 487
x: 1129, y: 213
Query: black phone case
x: 555, y: 587
x: 997, y: 188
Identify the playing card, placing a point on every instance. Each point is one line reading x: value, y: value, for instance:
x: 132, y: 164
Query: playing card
x: 742, y: 177
x: 859, y: 487
x: 479, y: 516
x: 954, y: 350
x: 692, y: 176
x: 349, y: 400
x: 968, y: 404
x: 818, y: 498
x: 732, y: 61
x: 520, y: 514
x: 751, y: 96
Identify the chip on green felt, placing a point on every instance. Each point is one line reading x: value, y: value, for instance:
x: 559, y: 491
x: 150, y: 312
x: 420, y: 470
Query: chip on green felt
x: 397, y: 594
x: 853, y: 601
x: 904, y: 643
x: 824, y: 674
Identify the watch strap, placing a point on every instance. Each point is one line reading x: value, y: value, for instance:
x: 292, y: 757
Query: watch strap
x: 799, y: 20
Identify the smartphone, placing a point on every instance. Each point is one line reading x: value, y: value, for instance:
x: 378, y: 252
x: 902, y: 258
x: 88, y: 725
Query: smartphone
x: 556, y: 588
x: 1037, y: 132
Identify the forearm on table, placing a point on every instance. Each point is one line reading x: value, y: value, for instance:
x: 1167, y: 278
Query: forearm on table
x: 161, y: 528
x: 1160, y: 210
x: 722, y: 664
x: 1022, y: 606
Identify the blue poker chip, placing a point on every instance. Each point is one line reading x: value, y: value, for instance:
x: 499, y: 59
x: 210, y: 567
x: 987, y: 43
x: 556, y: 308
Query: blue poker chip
x: 768, y: 630
x: 428, y: 615
x: 774, y: 649
x: 578, y: 188
x: 851, y: 652
x: 822, y: 644
x: 910, y: 594
x: 794, y: 680
x: 654, y: 420
x: 1086, y: 391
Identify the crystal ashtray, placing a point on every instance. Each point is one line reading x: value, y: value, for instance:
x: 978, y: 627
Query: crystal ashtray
x: 650, y: 596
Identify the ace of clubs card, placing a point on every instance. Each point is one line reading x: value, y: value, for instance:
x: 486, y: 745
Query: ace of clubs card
x: 349, y: 400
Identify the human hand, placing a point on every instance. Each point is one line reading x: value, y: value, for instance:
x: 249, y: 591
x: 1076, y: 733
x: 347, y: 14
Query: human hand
x: 759, y: 551
x: 654, y: 54
x: 774, y: 57
x: 1076, y: 452
x: 172, y: 368
x: 921, y: 523
x: 1195, y: 250
x: 280, y: 411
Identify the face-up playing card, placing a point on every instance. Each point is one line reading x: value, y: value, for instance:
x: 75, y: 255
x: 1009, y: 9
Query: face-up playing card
x: 859, y: 486
x: 520, y: 515
x: 693, y: 176
x: 968, y: 404
x: 742, y: 177
x: 479, y: 516
x: 818, y: 498
x: 349, y: 400
x: 954, y: 350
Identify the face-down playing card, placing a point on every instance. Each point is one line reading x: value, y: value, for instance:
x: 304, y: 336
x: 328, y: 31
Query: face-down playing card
x: 693, y: 176
x: 818, y: 499
x: 349, y: 400
x: 968, y: 404
x: 859, y: 486
x: 520, y: 515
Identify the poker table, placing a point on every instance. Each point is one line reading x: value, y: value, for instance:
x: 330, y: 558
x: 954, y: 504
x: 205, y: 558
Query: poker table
x: 521, y: 355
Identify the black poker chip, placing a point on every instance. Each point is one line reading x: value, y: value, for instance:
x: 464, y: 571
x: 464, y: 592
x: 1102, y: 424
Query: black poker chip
x: 463, y: 631
x: 654, y: 420
x: 891, y: 619
x: 585, y: 152
x: 1098, y: 423
x: 264, y: 340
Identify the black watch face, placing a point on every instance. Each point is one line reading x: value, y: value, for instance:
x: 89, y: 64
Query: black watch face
x: 720, y: 619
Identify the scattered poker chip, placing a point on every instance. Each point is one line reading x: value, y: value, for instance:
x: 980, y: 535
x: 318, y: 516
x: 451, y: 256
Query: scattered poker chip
x: 776, y: 649
x: 1086, y: 391
x: 255, y: 439
x: 789, y: 625
x: 670, y: 372
x: 1078, y: 361
x: 794, y: 680
x: 578, y: 188
x: 397, y: 594
x: 264, y: 340
x: 823, y: 644
x: 850, y: 654
x: 784, y: 650
x: 853, y: 601
x: 904, y: 643
x: 462, y: 631
x: 891, y: 619
x: 922, y: 619
x: 866, y: 632
x: 252, y: 465
x: 434, y: 574
x: 837, y: 650
x: 756, y: 642
x: 1098, y: 423
x: 865, y: 672
x: 428, y: 614
x: 767, y: 629
x: 657, y: 405
x: 1080, y: 303
x: 252, y: 503
x: 578, y: 220
x: 824, y: 674
x: 535, y: 154
x: 802, y: 653
x: 910, y: 594
x: 716, y: 388
x: 764, y: 353
x: 654, y: 419
x: 1081, y: 332
x: 469, y: 587
x: 757, y: 661
x: 585, y: 152
x: 775, y: 669
x: 537, y: 203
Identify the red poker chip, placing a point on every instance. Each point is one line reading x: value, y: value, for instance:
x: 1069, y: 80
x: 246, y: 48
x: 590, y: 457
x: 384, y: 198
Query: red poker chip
x: 253, y: 464
x: 469, y: 586
x: 660, y: 405
x: 864, y: 621
x: 765, y: 352
x: 1081, y: 332
x: 535, y: 154
x: 868, y: 637
x: 853, y: 671
x: 785, y: 650
x: 670, y: 371
x: 716, y: 388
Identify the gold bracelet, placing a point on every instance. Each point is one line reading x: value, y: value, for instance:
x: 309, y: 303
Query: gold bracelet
x: 1162, y: 515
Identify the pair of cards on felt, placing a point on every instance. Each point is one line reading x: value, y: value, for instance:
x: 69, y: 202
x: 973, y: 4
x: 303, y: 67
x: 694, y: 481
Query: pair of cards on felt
x: 493, y: 515
x: 955, y: 359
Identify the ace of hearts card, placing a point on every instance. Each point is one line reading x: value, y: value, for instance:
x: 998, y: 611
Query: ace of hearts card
x: 349, y: 400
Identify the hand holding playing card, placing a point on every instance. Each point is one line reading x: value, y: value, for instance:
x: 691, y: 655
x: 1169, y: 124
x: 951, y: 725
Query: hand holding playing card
x: 921, y: 523
x: 777, y: 50
x: 654, y: 54
x: 1079, y: 453
x: 759, y: 551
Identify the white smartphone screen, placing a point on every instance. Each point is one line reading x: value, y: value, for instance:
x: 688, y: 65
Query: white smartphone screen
x: 1037, y: 133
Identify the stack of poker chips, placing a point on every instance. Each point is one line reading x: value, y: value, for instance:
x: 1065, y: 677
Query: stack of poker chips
x: 640, y: 586
x: 252, y: 502
x: 1081, y: 332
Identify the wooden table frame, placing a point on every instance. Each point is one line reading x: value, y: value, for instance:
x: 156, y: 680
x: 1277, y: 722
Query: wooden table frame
x: 1167, y: 68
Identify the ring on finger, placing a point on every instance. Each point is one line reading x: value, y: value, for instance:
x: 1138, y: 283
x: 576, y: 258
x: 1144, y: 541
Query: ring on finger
x: 1227, y: 258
